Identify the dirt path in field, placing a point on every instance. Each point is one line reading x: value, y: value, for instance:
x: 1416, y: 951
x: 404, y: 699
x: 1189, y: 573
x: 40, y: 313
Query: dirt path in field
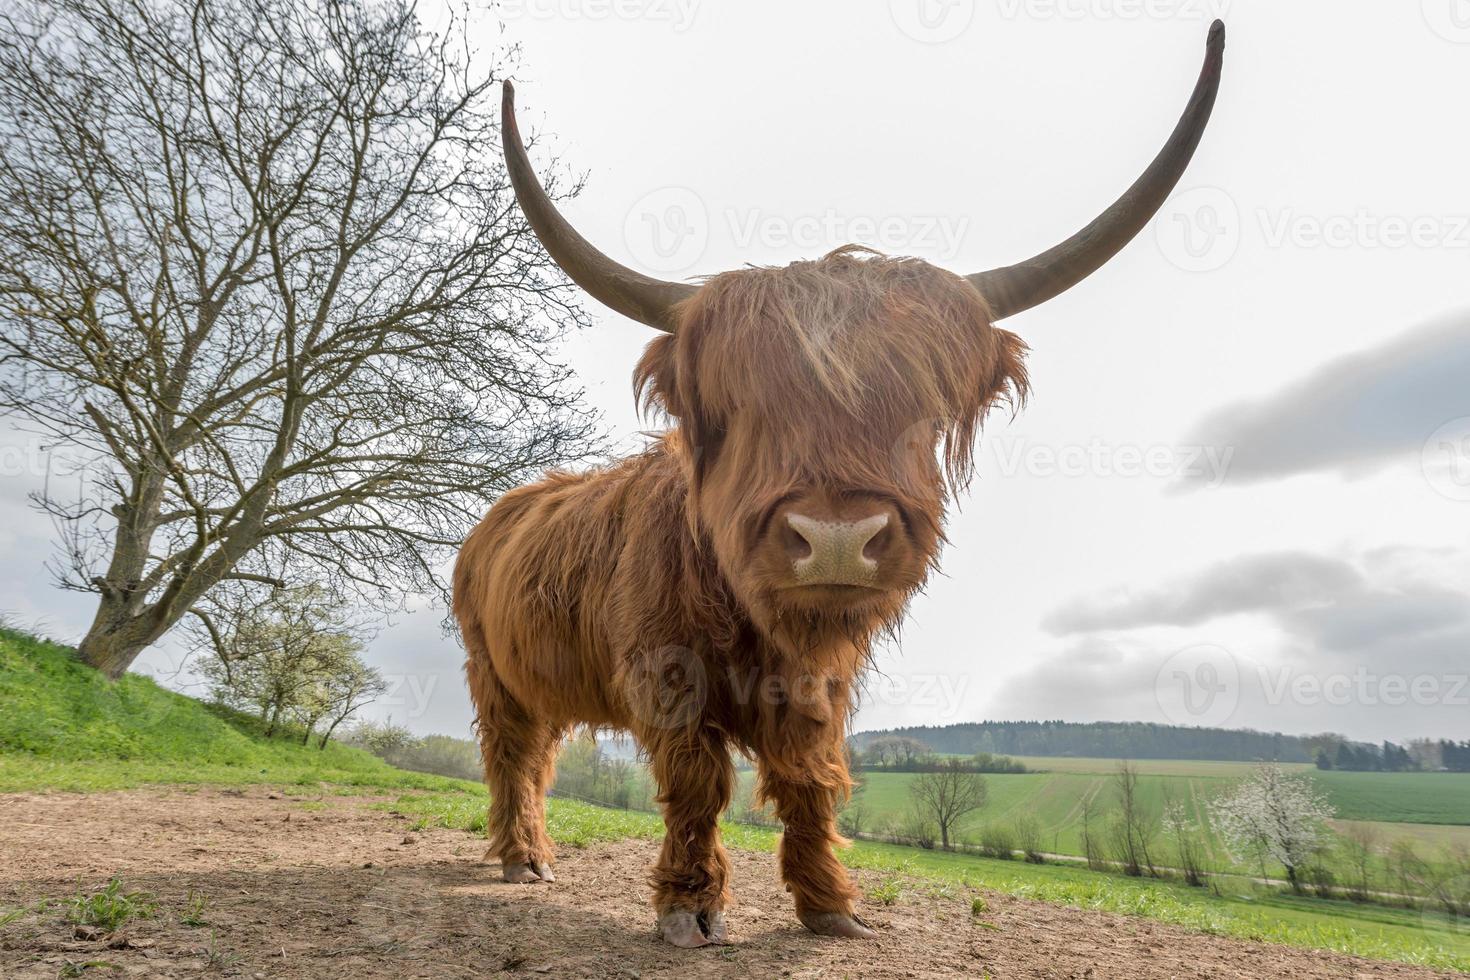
x: 293, y: 890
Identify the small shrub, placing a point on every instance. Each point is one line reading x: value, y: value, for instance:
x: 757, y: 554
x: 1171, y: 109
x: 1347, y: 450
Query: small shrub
x: 979, y: 906
x: 852, y: 819
x: 1320, y: 879
x: 997, y: 841
x: 1028, y: 839
x: 920, y: 830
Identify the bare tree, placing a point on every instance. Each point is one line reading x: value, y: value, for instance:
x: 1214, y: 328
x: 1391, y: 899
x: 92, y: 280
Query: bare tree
x: 946, y: 795
x: 1188, y: 837
x: 1135, y: 826
x: 1360, y: 844
x: 263, y: 282
x: 1092, y: 836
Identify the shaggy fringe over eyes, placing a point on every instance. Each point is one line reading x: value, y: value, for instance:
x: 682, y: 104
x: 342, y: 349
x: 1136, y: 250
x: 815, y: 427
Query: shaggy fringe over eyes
x: 855, y: 340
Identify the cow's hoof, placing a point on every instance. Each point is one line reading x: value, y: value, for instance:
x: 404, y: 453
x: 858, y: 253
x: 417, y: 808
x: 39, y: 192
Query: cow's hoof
x: 691, y: 930
x: 837, y: 924
x: 526, y: 874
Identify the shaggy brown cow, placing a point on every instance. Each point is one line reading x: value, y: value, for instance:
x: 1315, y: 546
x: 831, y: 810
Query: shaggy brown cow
x: 720, y: 591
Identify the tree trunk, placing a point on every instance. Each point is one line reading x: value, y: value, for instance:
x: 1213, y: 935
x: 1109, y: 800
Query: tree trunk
x: 108, y: 653
x: 327, y: 735
x: 113, y: 642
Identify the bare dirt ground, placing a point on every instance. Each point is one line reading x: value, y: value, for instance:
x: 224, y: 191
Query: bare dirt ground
x: 290, y: 890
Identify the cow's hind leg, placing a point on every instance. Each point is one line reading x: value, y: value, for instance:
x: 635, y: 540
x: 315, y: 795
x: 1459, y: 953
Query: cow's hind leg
x: 519, y: 753
x: 690, y: 881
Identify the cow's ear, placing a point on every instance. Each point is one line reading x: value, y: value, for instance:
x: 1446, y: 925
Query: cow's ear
x: 1006, y: 380
x: 665, y: 382
x: 656, y: 380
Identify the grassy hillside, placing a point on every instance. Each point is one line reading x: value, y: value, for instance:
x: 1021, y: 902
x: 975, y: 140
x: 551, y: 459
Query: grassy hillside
x: 63, y: 725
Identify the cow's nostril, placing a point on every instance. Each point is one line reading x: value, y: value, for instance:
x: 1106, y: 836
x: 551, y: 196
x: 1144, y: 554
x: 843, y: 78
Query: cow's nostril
x: 796, y: 544
x: 878, y: 543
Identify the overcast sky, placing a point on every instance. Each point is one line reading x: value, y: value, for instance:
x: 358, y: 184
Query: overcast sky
x: 1241, y: 492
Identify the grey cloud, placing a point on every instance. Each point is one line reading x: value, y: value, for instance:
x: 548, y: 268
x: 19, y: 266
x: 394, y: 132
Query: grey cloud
x: 1355, y: 414
x: 1368, y: 634
x: 1372, y: 619
x: 1251, y: 583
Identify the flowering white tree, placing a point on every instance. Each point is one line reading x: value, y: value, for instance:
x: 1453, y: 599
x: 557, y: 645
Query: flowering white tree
x: 1276, y: 812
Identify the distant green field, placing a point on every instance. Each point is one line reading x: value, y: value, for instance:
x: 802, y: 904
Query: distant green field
x: 1400, y: 797
x: 1390, y: 797
x: 1055, y: 799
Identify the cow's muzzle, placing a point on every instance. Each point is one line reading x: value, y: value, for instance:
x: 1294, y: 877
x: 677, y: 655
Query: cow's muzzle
x: 839, y: 552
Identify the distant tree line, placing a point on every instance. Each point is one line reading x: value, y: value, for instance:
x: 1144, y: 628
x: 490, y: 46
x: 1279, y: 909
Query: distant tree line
x: 903, y: 754
x: 1421, y: 755
x: 1106, y: 740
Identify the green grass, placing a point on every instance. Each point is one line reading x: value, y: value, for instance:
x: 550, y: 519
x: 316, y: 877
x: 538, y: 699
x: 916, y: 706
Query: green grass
x: 1371, y: 931
x: 65, y: 726
x: 111, y: 908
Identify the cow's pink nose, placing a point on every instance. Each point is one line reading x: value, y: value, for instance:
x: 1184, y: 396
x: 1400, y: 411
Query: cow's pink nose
x: 840, y: 552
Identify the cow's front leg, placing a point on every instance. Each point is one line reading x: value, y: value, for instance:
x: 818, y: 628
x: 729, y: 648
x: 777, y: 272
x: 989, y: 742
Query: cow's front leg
x: 823, y: 890
x: 690, y: 893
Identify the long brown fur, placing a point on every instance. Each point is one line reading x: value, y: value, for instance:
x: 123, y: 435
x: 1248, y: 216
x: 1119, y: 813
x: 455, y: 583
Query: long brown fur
x: 646, y: 596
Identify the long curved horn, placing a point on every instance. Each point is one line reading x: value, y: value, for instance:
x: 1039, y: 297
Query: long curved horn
x: 632, y: 294
x: 1019, y: 287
